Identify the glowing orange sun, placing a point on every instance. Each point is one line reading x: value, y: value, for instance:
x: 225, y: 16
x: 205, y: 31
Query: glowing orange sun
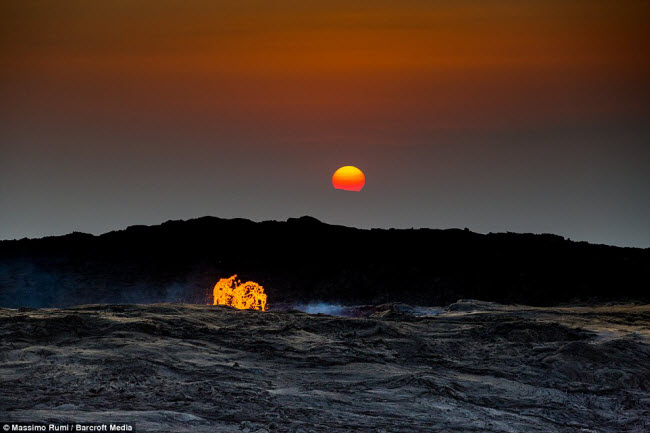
x: 348, y: 178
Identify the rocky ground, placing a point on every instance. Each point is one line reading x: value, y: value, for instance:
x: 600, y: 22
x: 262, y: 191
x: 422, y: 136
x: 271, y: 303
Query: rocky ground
x: 473, y: 367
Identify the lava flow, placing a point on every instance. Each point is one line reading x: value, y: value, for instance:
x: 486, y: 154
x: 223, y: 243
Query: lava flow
x: 230, y: 291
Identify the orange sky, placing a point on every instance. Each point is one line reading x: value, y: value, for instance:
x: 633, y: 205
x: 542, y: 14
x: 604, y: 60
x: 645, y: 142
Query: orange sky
x: 454, y: 63
x: 496, y: 115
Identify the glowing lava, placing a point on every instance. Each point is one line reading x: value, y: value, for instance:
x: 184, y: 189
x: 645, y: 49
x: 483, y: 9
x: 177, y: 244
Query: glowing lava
x: 230, y: 291
x: 348, y: 178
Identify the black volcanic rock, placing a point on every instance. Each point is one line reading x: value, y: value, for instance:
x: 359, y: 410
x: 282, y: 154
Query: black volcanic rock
x: 193, y: 368
x: 304, y: 260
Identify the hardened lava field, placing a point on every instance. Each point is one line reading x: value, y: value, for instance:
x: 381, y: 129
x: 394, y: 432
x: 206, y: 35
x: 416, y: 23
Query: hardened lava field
x: 474, y: 367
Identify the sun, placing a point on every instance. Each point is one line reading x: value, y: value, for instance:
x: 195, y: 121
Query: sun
x: 348, y: 178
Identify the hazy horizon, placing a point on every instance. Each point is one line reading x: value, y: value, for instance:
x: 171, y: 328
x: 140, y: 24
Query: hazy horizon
x: 101, y: 232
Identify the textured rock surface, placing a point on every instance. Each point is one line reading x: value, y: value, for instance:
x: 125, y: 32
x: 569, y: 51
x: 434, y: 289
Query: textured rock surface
x: 474, y: 367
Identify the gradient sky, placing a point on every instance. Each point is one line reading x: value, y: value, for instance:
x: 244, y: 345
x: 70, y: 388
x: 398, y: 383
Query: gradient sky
x: 506, y: 115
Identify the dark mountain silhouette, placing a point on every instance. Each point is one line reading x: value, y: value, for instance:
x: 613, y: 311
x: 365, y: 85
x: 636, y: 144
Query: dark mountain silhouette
x: 304, y: 260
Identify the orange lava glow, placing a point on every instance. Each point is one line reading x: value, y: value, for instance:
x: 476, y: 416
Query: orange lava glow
x: 247, y: 296
x: 348, y: 178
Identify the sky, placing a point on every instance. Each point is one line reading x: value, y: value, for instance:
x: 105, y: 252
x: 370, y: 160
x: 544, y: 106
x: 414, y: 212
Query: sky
x: 495, y: 115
